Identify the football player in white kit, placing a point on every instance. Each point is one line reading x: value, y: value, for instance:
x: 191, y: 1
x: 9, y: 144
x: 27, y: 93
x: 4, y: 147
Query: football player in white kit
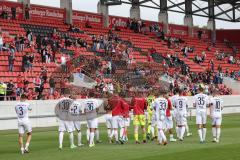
x: 75, y: 110
x: 91, y: 106
x: 216, y: 107
x: 201, y: 102
x: 65, y: 125
x: 176, y: 95
x: 160, y: 106
x: 108, y: 119
x: 24, y: 124
x: 180, y: 104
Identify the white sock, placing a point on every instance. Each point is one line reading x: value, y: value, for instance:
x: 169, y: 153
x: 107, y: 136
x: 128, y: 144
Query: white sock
x: 116, y: 134
x: 26, y: 146
x: 179, y: 132
x: 71, y: 138
x: 61, y: 134
x: 200, y: 134
x: 218, y: 133
x: 97, y: 134
x: 163, y: 135
x: 91, y: 141
x: 204, y: 133
x: 88, y: 134
x: 112, y: 133
x: 187, y: 128
x: 109, y: 132
x: 182, y: 132
x: 79, y: 138
x: 214, y: 130
x: 121, y: 133
x: 159, y: 137
x: 153, y: 131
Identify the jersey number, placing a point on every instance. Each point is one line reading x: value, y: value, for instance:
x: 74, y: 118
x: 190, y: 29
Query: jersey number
x: 65, y: 105
x: 201, y: 101
x: 180, y: 104
x: 90, y: 106
x: 163, y: 105
x: 217, y: 104
x: 74, y: 109
x: 21, y: 111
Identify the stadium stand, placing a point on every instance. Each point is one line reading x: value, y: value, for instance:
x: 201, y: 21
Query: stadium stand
x: 39, y: 56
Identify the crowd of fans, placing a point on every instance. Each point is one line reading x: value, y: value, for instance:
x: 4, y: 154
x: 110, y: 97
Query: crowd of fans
x: 113, y: 53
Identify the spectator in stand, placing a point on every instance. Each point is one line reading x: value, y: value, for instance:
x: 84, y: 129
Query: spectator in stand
x: 64, y: 63
x: 3, y: 89
x: 219, y: 68
x: 20, y: 85
x: 1, y: 41
x: 22, y: 42
x: 52, y: 85
x: 10, y: 91
x: 11, y: 60
x: 200, y: 34
x: 63, y: 85
x: 203, y: 56
x: 29, y: 36
x: 212, y: 65
x: 38, y: 84
x: 17, y: 43
x: 44, y: 72
x: 231, y: 60
x: 13, y: 11
x: 27, y: 12
x: 4, y: 14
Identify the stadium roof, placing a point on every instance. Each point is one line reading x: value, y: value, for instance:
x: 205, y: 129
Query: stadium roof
x: 225, y: 10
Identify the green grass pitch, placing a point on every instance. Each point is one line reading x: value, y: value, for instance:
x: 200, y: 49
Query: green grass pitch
x: 44, y: 146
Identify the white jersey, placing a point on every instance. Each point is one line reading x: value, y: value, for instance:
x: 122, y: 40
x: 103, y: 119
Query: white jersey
x: 201, y: 101
x: 160, y: 106
x: 216, y: 107
x: 75, y: 108
x: 172, y: 99
x: 180, y: 104
x: 22, y: 109
x: 90, y: 106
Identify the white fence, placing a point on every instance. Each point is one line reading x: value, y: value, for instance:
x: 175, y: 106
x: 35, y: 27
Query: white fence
x: 42, y: 114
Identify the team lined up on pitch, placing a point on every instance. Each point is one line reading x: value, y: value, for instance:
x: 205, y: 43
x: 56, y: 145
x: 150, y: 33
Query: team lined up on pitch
x: 157, y: 112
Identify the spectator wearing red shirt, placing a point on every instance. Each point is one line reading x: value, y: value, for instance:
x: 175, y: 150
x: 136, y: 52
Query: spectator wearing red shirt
x: 20, y: 85
x: 116, y: 103
x: 139, y: 105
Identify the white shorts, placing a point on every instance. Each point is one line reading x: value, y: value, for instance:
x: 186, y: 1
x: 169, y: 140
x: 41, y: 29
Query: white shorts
x: 160, y: 124
x: 201, y: 117
x: 108, y: 118
x: 181, y: 119
x: 24, y: 126
x: 126, y: 122
x: 92, y: 123
x: 168, y: 122
x: 117, y: 121
x: 66, y: 126
x: 77, y: 125
x: 153, y: 121
x: 217, y: 121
